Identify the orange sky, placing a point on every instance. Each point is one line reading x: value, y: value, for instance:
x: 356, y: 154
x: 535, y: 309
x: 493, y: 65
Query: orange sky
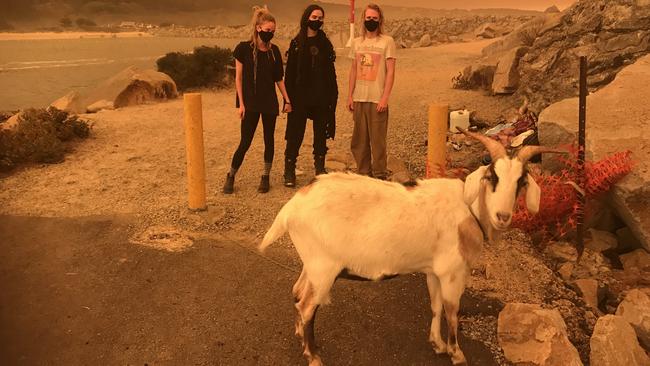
x: 469, y: 4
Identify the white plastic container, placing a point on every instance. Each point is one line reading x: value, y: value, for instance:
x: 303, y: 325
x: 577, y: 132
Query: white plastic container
x: 458, y: 119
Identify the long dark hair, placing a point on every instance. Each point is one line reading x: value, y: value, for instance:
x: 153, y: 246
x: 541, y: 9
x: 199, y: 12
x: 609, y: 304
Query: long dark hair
x: 304, y: 20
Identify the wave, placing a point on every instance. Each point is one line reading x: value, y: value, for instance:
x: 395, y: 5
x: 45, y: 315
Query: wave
x: 49, y: 64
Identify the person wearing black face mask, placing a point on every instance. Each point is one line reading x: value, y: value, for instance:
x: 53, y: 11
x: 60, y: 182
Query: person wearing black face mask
x: 371, y: 82
x: 312, y: 88
x: 258, y: 70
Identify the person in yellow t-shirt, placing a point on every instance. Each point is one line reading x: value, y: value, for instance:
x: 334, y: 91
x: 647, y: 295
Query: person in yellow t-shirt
x: 371, y: 81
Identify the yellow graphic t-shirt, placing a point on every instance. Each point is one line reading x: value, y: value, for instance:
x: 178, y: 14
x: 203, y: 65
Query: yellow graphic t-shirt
x: 371, y: 55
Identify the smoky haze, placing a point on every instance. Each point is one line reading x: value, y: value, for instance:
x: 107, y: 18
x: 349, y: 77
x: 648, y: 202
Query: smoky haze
x: 470, y: 4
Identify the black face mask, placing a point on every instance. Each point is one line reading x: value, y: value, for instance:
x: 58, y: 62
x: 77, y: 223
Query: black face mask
x: 315, y: 24
x: 266, y: 37
x: 371, y: 25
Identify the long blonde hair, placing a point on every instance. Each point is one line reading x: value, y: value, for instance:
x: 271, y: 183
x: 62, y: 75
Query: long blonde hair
x: 380, y: 29
x: 260, y: 15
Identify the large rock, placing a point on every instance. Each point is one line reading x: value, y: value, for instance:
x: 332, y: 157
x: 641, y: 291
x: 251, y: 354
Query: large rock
x: 425, y: 41
x: 530, y: 335
x: 11, y: 123
x: 589, y: 290
x: 623, y: 101
x: 71, y: 103
x: 506, y: 76
x: 488, y: 31
x: 614, y: 343
x: 131, y: 86
x: 639, y: 259
x: 635, y: 309
x: 612, y: 33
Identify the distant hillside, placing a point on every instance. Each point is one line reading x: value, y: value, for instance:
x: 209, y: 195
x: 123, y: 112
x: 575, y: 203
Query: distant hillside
x: 39, y: 14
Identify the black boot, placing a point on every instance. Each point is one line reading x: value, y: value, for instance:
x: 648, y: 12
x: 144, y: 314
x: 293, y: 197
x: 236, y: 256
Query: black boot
x: 289, y: 172
x: 319, y: 164
x: 229, y: 186
x: 265, y: 185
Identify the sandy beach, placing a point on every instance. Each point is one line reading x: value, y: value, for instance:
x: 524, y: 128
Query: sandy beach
x: 7, y: 36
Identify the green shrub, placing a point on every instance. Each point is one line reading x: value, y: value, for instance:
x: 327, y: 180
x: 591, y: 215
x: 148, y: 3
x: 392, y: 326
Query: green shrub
x: 206, y: 66
x: 41, y: 136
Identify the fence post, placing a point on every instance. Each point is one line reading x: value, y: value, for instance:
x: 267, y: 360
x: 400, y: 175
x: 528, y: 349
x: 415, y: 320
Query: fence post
x: 437, y: 140
x: 194, y: 147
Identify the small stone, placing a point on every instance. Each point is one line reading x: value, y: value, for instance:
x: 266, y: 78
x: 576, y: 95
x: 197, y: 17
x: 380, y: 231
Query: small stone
x: 639, y: 259
x: 566, y: 271
x: 562, y: 251
x: 601, y: 241
x: 589, y: 290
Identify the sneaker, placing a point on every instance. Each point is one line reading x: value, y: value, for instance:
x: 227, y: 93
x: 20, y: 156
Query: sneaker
x: 229, y: 186
x: 265, y: 185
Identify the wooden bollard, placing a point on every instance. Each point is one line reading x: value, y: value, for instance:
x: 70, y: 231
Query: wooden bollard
x: 437, y: 139
x: 194, y: 148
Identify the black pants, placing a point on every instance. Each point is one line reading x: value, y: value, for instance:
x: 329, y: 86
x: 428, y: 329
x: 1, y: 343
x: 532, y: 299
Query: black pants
x: 296, y: 124
x: 248, y: 126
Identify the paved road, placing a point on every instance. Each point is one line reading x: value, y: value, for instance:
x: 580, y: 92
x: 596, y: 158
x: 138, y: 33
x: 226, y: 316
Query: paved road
x: 76, y: 292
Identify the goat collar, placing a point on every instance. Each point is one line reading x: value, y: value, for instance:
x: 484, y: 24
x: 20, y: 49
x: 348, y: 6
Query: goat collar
x: 485, y: 236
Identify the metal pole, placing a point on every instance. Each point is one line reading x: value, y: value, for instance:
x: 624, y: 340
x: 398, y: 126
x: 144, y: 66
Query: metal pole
x: 194, y: 147
x: 349, y: 44
x: 437, y: 140
x: 582, y: 118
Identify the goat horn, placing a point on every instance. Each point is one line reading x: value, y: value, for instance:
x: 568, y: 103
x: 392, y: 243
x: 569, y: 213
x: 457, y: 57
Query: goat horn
x: 495, y: 148
x: 528, y: 152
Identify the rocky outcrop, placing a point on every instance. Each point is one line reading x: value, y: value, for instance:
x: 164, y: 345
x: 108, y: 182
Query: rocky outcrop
x: 635, y: 309
x: 617, y: 120
x: 506, y: 77
x: 612, y: 33
x: 614, y: 343
x: 530, y: 335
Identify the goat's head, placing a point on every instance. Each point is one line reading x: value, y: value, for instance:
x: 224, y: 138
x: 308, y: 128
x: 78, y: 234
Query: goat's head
x: 500, y: 183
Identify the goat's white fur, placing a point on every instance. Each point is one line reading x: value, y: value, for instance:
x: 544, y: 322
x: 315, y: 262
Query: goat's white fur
x: 374, y: 228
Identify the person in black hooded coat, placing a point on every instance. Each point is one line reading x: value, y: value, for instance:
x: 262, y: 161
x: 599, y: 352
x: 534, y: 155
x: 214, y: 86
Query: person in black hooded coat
x: 310, y: 79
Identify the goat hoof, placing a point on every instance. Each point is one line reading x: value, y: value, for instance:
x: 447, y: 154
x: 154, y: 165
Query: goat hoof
x: 438, y: 348
x: 458, y: 358
x: 315, y: 361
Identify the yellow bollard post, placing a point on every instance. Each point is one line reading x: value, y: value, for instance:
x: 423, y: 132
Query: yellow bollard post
x: 437, y: 139
x: 194, y: 148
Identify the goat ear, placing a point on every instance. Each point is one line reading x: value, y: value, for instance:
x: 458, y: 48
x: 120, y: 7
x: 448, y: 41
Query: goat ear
x: 533, y: 194
x: 473, y: 184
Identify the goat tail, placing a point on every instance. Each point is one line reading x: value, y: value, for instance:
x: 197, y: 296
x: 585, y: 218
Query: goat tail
x: 278, y: 228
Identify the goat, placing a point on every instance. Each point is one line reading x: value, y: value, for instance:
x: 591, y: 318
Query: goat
x: 351, y: 224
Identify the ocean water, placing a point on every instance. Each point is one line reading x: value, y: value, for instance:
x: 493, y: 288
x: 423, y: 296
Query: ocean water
x: 34, y: 73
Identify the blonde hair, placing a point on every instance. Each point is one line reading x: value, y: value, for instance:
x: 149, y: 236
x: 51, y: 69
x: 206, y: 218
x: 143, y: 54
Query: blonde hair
x: 261, y: 15
x: 380, y: 29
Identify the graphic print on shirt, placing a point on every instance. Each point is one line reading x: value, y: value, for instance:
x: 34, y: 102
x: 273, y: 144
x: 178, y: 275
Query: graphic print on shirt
x: 368, y: 65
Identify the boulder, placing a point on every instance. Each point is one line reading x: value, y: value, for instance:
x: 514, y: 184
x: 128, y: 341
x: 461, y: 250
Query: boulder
x: 623, y: 100
x: 506, y: 76
x: 639, y: 259
x: 635, y: 309
x: 131, y: 86
x: 530, y: 335
x: 425, y: 41
x: 477, y: 76
x: 71, y: 103
x: 566, y: 271
x: 99, y: 105
x: 11, y: 122
x: 488, y: 31
x: 614, y: 343
x: 600, y: 241
x: 552, y: 9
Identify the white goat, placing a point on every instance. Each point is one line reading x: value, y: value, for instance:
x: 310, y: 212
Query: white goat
x: 351, y: 224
